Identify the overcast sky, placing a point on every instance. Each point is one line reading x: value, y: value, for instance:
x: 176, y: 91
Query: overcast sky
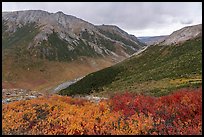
x: 138, y: 18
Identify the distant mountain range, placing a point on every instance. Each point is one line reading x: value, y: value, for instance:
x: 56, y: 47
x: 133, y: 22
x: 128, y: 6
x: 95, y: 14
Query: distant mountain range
x: 176, y: 37
x: 39, y: 47
x: 152, y: 40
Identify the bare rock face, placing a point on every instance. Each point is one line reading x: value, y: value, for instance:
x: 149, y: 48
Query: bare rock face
x: 116, y: 30
x: 65, y: 25
x: 183, y: 34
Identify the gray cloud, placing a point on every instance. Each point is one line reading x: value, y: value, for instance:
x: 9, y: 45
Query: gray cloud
x: 186, y: 21
x: 127, y: 15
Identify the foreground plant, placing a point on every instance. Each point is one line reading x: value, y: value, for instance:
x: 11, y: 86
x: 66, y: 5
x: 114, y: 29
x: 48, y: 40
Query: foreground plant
x: 178, y: 113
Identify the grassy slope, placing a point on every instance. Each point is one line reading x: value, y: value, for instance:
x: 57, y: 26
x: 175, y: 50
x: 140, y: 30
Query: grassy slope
x: 21, y: 37
x: 58, y: 50
x: 48, y: 73
x: 157, y: 71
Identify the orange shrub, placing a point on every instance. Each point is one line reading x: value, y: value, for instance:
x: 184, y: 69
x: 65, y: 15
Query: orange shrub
x: 177, y: 113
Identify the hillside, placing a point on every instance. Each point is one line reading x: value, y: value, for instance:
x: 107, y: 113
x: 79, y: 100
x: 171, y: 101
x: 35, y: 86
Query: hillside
x: 157, y: 71
x: 42, y: 49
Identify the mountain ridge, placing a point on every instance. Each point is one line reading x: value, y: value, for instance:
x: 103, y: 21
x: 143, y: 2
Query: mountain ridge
x: 66, y: 26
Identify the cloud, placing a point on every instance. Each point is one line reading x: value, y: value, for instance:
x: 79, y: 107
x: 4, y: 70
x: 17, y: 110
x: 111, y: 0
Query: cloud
x: 186, y: 21
x: 130, y: 16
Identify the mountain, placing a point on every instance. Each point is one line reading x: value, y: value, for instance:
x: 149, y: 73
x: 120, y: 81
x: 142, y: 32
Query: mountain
x: 69, y: 32
x: 39, y: 48
x: 156, y: 71
x: 183, y: 34
x: 152, y: 40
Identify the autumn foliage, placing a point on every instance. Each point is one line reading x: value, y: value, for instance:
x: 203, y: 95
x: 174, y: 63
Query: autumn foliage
x: 177, y: 113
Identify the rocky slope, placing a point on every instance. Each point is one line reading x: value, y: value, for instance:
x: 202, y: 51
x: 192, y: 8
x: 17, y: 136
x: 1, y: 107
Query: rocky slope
x: 183, y: 34
x: 11, y: 95
x: 39, y: 48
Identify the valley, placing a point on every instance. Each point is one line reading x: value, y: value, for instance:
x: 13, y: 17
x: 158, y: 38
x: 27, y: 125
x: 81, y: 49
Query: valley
x: 62, y: 75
